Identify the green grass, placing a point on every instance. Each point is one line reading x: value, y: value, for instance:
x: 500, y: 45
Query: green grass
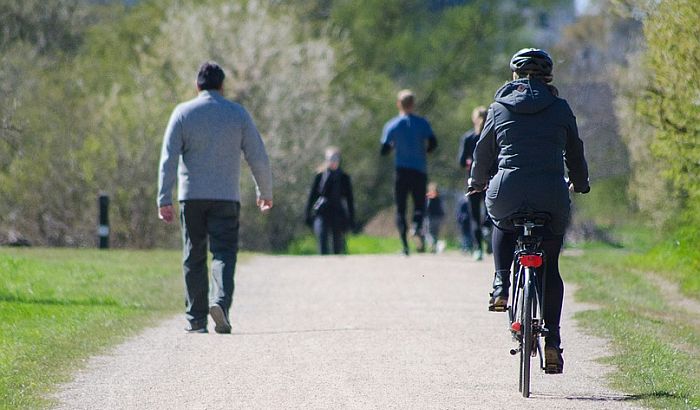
x: 361, y: 245
x: 58, y: 306
x: 678, y: 259
x: 356, y: 244
x: 656, y: 346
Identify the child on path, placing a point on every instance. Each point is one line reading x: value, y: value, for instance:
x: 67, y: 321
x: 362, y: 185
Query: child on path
x: 435, y: 213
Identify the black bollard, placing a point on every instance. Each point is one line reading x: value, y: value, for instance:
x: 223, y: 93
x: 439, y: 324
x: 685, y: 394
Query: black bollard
x: 103, y: 227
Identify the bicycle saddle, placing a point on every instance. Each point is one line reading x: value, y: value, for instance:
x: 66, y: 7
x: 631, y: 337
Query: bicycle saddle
x: 536, y: 218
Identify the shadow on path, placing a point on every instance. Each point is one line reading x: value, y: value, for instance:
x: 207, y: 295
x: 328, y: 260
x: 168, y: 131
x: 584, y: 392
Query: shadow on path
x: 593, y: 397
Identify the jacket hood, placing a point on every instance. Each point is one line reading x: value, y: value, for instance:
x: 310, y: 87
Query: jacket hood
x: 525, y: 96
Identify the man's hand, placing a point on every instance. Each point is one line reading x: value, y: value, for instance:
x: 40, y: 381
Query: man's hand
x: 264, y: 204
x: 166, y: 213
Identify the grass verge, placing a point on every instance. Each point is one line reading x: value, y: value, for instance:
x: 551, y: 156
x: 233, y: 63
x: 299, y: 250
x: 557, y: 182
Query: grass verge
x: 59, y: 306
x: 356, y: 244
x: 677, y: 259
x: 360, y: 245
x: 656, y: 343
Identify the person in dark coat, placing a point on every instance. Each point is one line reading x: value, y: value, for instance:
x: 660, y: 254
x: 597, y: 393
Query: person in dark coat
x: 532, y: 135
x: 464, y: 225
x: 330, y: 210
x: 478, y: 222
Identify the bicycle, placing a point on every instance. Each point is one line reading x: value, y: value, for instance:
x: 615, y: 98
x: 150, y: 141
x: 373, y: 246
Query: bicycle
x: 525, y: 314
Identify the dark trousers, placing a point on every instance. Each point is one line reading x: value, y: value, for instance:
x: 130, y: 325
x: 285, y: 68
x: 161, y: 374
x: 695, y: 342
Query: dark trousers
x: 504, y: 243
x: 476, y: 200
x: 323, y: 229
x: 465, y: 229
x: 433, y: 224
x: 215, y: 222
x: 409, y: 181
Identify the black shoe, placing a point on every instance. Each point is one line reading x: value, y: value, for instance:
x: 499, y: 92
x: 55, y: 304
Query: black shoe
x: 499, y: 296
x: 196, y: 328
x: 498, y: 303
x: 553, y: 360
x: 221, y: 321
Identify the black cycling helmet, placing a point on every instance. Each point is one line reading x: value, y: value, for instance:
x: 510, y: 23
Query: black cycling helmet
x: 532, y: 61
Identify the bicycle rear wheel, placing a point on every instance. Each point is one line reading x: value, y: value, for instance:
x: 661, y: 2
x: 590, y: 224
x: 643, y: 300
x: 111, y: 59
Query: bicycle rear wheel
x: 528, y: 334
x: 516, y: 314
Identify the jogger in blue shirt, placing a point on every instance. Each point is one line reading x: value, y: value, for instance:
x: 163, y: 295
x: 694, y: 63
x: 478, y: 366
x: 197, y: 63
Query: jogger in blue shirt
x: 411, y: 137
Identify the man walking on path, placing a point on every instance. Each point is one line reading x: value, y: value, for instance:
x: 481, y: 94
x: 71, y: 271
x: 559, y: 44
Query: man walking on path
x: 202, y: 146
x: 407, y: 134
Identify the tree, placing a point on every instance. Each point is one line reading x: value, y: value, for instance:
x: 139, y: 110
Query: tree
x: 311, y: 74
x: 36, y: 38
x: 671, y: 101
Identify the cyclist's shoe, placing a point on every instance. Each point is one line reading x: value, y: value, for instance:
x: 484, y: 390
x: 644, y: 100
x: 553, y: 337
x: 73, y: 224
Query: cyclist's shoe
x: 553, y: 360
x: 552, y: 336
x: 498, y: 303
x: 499, y: 296
x: 221, y: 322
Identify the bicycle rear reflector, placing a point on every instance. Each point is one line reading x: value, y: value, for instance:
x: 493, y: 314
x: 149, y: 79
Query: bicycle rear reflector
x: 530, y: 261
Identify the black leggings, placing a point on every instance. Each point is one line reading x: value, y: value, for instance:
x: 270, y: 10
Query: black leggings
x: 409, y: 181
x: 475, y: 203
x: 503, y: 248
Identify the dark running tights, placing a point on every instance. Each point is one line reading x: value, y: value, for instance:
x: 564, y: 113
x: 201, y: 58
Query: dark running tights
x: 409, y: 182
x: 503, y: 248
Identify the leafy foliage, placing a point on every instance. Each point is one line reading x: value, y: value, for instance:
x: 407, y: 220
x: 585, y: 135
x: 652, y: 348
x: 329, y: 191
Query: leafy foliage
x: 88, y: 87
x: 671, y: 102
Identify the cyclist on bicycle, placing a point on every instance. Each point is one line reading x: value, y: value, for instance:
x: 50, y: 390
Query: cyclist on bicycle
x: 531, y: 134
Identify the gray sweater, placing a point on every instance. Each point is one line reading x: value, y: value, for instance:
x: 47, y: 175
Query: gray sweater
x: 202, y: 146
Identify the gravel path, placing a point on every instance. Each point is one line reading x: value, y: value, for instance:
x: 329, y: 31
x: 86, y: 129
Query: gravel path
x: 345, y: 332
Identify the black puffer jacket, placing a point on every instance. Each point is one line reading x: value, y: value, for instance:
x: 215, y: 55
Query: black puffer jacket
x: 337, y: 188
x: 532, y: 135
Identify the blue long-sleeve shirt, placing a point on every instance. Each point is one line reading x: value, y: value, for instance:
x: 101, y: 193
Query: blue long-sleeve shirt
x: 407, y: 134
